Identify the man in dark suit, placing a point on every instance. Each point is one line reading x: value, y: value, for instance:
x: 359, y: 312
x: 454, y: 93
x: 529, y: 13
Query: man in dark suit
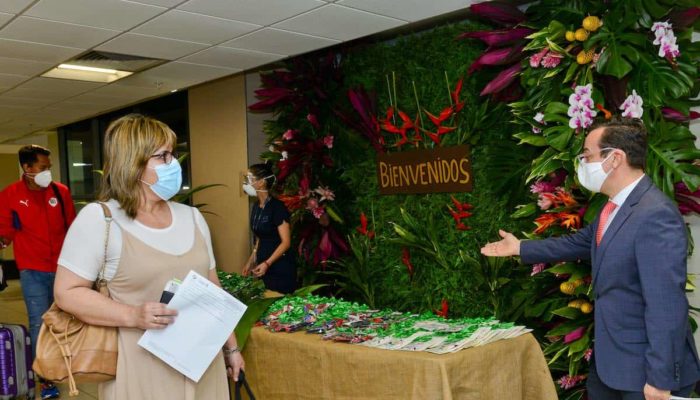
x: 644, y: 348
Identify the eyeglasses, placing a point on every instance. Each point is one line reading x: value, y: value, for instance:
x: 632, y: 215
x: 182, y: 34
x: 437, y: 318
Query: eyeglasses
x: 166, y: 156
x: 584, y: 157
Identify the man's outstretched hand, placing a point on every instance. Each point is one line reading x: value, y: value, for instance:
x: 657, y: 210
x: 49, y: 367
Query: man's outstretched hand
x: 508, y: 246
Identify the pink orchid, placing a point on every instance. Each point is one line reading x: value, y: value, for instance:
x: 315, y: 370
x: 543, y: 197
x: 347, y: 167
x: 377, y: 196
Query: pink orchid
x: 587, y: 355
x: 289, y: 134
x: 632, y: 106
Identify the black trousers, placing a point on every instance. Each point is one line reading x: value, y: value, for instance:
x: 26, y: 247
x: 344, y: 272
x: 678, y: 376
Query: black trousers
x: 597, y: 390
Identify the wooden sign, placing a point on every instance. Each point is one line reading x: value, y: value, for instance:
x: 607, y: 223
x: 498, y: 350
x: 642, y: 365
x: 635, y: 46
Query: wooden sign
x: 439, y: 170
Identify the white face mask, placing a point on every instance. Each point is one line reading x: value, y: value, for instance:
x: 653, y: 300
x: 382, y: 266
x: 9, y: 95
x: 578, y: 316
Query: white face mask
x: 252, y: 191
x: 43, y: 178
x: 592, y: 175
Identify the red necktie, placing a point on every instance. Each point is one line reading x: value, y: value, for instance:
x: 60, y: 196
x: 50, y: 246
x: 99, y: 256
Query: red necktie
x: 607, y: 210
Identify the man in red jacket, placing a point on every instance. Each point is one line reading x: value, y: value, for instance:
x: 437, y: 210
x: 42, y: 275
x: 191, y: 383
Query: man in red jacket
x: 35, y: 214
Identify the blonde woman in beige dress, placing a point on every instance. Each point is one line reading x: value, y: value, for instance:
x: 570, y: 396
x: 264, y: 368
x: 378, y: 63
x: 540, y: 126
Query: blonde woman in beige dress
x: 151, y: 241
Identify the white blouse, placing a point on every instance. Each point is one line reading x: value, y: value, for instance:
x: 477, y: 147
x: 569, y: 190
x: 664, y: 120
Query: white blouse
x: 83, y: 249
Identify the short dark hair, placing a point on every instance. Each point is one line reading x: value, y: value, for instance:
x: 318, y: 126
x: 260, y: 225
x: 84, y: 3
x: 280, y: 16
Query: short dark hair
x: 28, y: 154
x: 626, y: 134
x: 263, y: 171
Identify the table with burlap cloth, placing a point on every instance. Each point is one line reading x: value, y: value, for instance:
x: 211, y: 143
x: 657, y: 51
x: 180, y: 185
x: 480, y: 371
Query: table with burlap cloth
x: 303, y: 366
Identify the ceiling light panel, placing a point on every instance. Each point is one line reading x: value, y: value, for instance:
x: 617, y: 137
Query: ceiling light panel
x: 151, y: 46
x: 261, y: 12
x: 55, y: 33
x: 277, y: 41
x: 193, y: 27
x: 337, y: 22
x: 108, y: 14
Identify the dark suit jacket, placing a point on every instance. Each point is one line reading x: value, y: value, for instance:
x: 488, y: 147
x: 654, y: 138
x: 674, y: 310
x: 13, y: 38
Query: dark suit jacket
x: 642, y: 333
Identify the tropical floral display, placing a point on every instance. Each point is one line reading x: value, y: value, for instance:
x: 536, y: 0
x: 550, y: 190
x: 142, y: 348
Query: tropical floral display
x: 550, y: 70
x: 634, y: 59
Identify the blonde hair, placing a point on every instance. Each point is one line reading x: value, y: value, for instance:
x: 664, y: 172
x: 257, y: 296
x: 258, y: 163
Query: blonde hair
x: 129, y: 143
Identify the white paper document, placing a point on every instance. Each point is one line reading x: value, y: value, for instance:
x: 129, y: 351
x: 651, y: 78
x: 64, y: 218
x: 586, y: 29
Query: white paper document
x: 206, y: 317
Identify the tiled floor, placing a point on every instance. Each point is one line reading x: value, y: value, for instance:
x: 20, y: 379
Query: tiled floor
x: 13, y: 311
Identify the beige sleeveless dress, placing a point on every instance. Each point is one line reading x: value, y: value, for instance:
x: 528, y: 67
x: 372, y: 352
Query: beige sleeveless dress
x: 141, y: 276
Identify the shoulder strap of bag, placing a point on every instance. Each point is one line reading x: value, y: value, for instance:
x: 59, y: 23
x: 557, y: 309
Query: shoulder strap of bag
x: 242, y: 382
x: 57, y: 193
x: 108, y: 222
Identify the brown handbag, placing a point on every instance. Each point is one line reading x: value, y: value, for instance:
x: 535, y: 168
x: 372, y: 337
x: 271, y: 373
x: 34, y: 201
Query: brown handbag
x: 69, y: 349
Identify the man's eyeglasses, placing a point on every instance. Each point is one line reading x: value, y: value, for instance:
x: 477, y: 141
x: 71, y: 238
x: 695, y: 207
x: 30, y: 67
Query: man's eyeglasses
x: 583, y: 157
x: 166, y: 156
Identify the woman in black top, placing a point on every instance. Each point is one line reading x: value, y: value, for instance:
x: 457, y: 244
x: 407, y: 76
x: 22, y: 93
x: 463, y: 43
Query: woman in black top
x: 273, y: 260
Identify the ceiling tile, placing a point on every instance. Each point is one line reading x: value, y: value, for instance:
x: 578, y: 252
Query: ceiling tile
x: 109, y: 14
x: 337, y: 22
x: 150, y: 46
x: 177, y: 75
x: 4, y: 18
x: 193, y: 27
x: 14, y: 6
x: 407, y: 10
x: 23, y: 67
x: 262, y: 12
x: 270, y: 40
x: 36, y: 51
x: 232, y: 58
x: 55, y: 33
x: 60, y: 85
x: 123, y: 92
x: 18, y: 102
x: 9, y: 80
x: 162, y: 3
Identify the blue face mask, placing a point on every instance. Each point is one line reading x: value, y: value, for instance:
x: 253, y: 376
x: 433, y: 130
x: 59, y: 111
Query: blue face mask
x: 169, y: 180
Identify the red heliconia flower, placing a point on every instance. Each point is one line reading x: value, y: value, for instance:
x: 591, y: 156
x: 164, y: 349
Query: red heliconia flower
x: 444, y: 308
x: 458, y: 105
x: 292, y: 202
x: 362, y: 229
x: 607, y: 113
x: 461, y: 206
x: 406, y: 260
x: 444, y: 115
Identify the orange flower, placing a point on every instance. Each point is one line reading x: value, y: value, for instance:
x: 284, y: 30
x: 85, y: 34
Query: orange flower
x: 570, y: 220
x: 544, y: 221
x: 566, y: 198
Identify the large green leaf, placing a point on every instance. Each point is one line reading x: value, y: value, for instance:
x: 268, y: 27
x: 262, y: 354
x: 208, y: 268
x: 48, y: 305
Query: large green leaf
x: 252, y: 314
x: 612, y: 62
x: 559, y: 136
x: 531, y: 139
x: 544, y: 164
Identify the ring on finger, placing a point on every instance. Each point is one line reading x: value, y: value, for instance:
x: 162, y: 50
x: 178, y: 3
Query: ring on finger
x: 155, y: 319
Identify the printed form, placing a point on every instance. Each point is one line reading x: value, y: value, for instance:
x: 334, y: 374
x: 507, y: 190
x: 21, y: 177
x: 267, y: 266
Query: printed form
x: 206, y: 317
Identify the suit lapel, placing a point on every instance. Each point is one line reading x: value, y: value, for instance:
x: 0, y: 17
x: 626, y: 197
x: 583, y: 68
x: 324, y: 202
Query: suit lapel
x: 622, y: 215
